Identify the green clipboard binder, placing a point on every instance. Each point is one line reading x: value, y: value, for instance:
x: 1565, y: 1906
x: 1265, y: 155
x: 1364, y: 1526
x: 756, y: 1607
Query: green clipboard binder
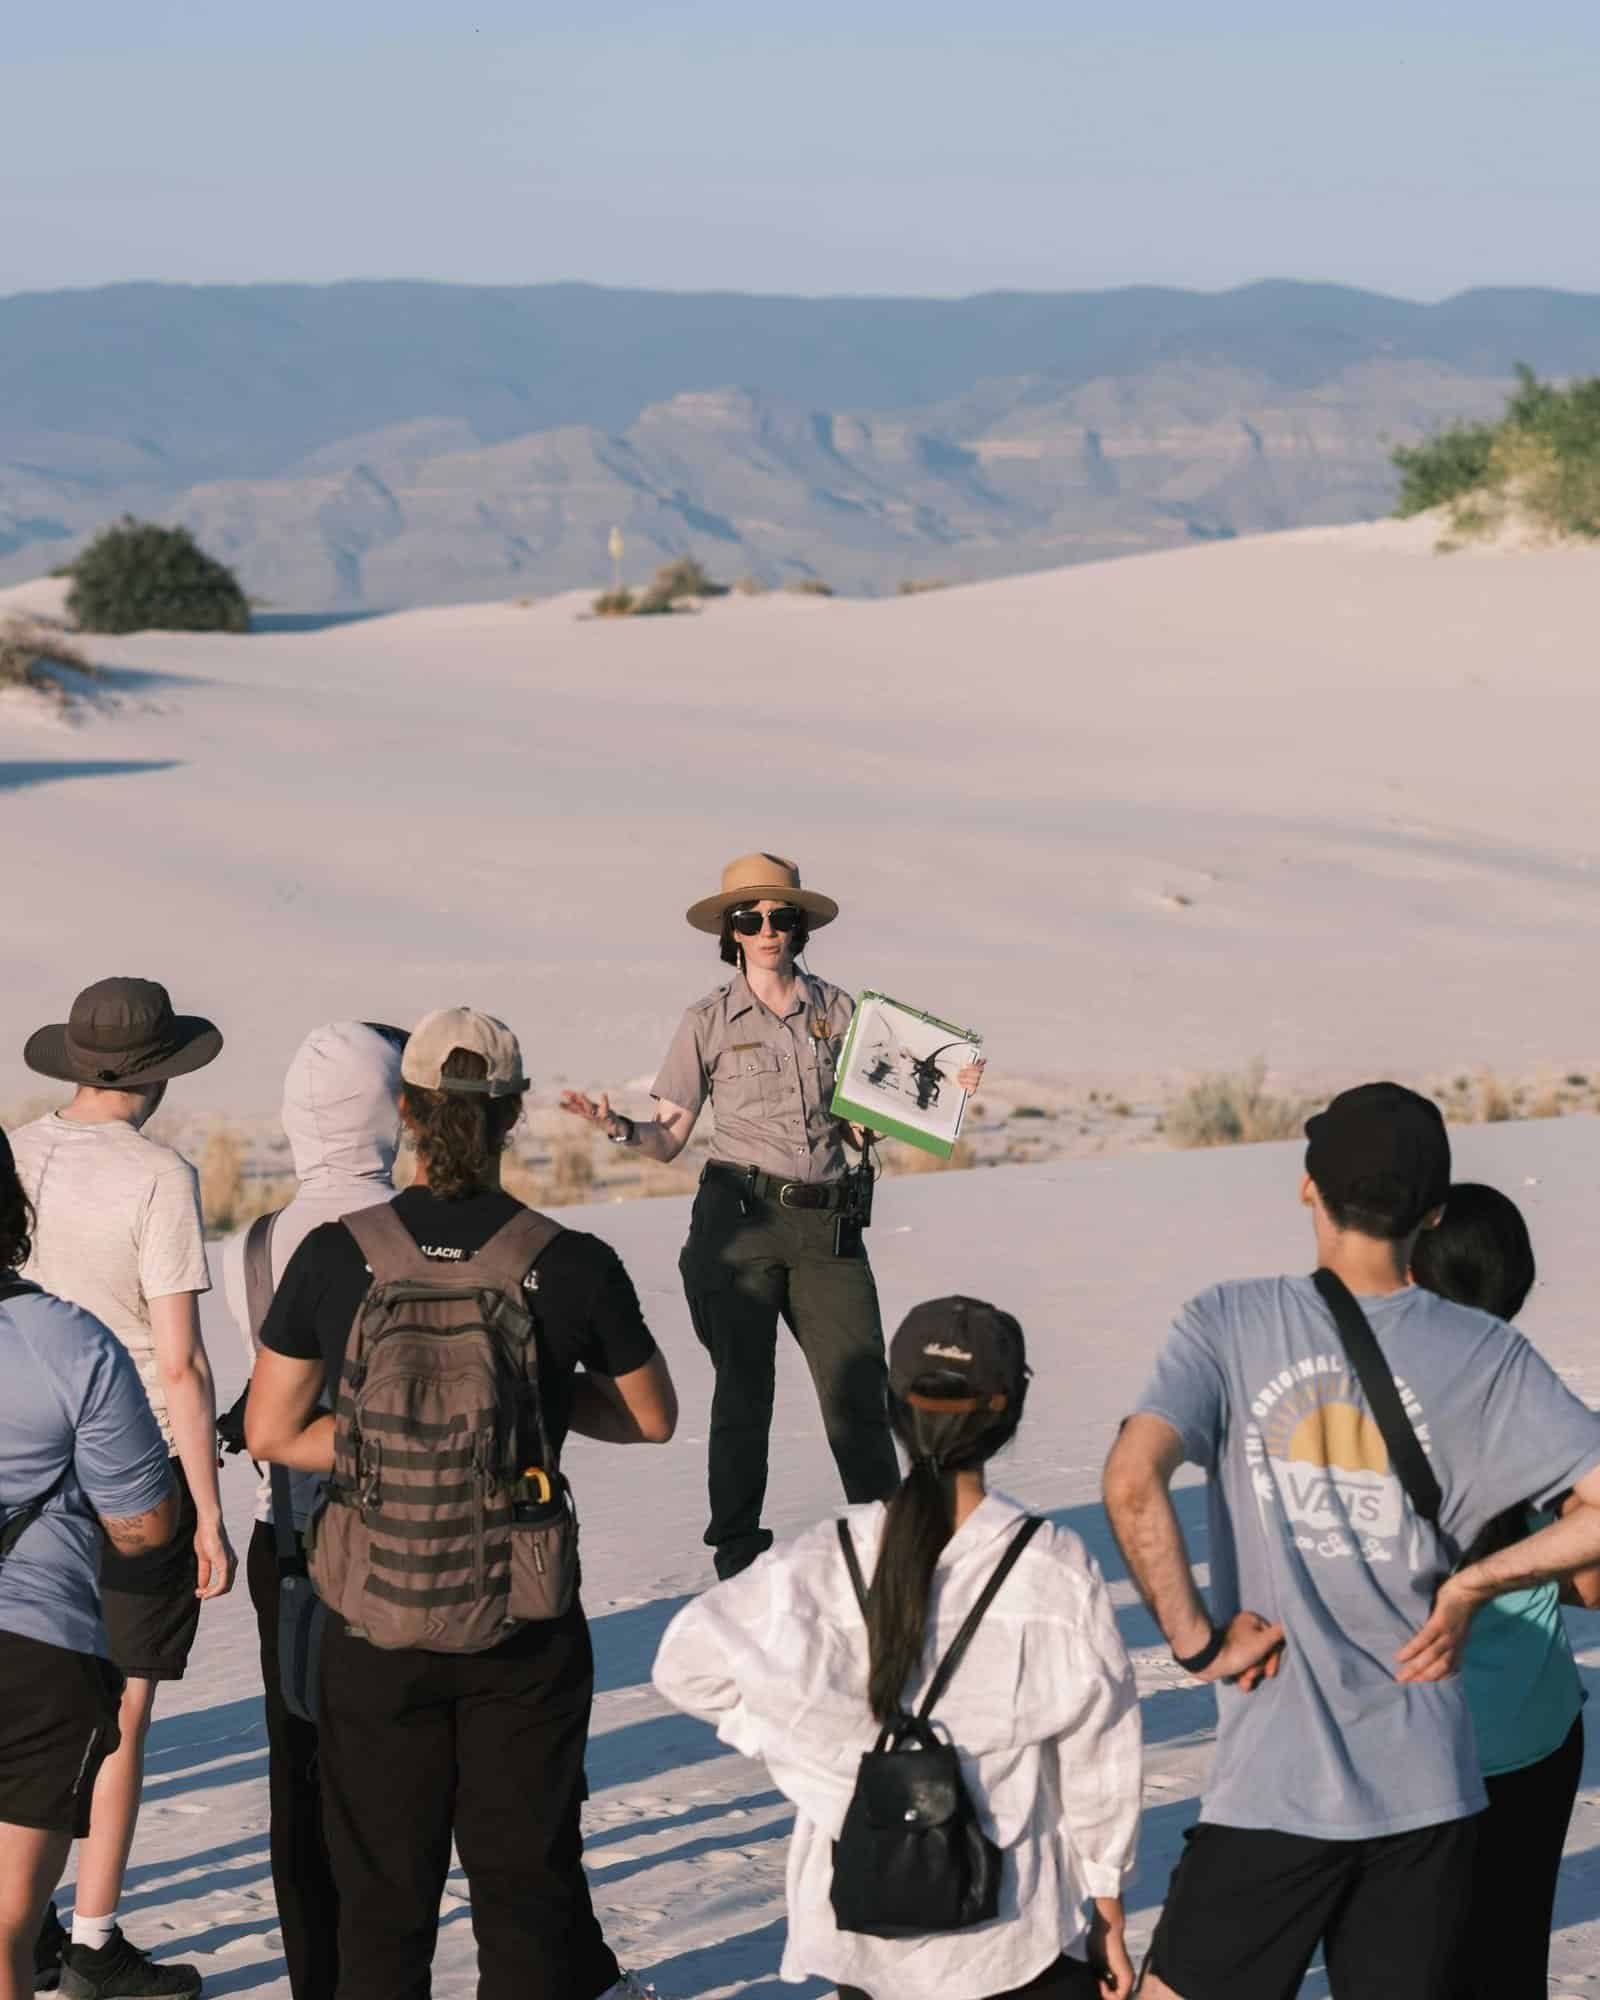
x: 876, y: 1116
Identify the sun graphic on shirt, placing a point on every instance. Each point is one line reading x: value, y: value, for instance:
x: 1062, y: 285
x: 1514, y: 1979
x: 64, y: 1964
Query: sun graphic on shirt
x: 1313, y: 1425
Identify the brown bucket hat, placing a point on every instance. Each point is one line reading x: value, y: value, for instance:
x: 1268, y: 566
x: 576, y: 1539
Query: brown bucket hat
x: 758, y: 878
x: 122, y: 1035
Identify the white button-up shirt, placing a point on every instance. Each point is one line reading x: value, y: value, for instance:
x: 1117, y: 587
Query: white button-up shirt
x: 1042, y: 1711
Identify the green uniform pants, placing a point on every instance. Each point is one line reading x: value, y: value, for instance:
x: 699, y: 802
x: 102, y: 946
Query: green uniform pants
x: 745, y: 1264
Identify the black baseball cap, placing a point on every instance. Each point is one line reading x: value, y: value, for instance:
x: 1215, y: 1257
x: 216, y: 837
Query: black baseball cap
x: 1383, y: 1149
x: 977, y: 1344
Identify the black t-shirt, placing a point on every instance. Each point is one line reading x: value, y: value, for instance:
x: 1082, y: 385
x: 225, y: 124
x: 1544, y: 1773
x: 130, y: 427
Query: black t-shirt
x: 582, y: 1300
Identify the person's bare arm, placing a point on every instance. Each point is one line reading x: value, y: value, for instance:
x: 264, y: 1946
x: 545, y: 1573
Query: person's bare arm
x: 1138, y: 1480
x: 137, y: 1534
x: 191, y: 1400
x: 1582, y: 1589
x: 640, y: 1407
x: 283, y: 1423
x: 1566, y: 1548
x: 660, y: 1138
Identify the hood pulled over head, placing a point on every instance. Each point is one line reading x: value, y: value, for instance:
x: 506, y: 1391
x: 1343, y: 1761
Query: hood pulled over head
x: 340, y: 1109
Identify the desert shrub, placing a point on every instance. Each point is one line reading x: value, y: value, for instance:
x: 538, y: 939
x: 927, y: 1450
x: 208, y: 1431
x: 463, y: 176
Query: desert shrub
x: 809, y: 586
x: 1443, y: 467
x: 684, y: 576
x: 571, y: 1166
x: 1233, y: 1109
x: 1029, y: 1111
x: 1542, y: 457
x: 28, y: 651
x: 752, y: 586
x: 898, y: 1158
x: 229, y: 1196
x: 138, y: 576
x: 914, y: 586
x: 612, y: 604
x: 654, y: 601
x: 1493, y: 1104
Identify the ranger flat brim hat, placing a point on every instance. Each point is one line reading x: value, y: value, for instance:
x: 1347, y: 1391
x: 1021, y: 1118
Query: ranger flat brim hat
x: 438, y: 1035
x: 123, y: 1035
x: 760, y: 878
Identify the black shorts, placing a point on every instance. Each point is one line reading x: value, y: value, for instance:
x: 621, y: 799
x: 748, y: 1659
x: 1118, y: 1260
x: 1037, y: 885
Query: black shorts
x: 148, y: 1600
x: 1246, y: 1909
x: 58, y: 1724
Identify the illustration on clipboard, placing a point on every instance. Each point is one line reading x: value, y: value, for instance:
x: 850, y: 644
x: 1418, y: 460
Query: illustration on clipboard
x: 897, y: 1074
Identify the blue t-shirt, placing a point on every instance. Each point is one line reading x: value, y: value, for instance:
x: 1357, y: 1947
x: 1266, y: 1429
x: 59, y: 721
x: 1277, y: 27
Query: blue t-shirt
x: 72, y: 1397
x: 1521, y: 1679
x: 1311, y: 1527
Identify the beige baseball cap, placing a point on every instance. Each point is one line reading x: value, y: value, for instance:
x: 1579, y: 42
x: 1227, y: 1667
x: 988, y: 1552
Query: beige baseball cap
x: 436, y: 1037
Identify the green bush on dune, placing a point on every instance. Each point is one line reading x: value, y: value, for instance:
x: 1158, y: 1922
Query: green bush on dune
x: 138, y: 576
x: 1543, y: 456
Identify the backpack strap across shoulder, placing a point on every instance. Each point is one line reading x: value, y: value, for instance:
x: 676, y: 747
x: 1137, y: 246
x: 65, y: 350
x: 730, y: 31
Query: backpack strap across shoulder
x: 974, y: 1618
x: 852, y: 1562
x: 1365, y: 1356
x: 508, y: 1256
x: 389, y: 1247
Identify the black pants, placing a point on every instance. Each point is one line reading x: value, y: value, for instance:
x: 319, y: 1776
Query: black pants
x: 487, y: 1747
x: 1246, y: 1909
x: 1067, y: 1979
x: 742, y: 1267
x: 1520, y: 1840
x: 302, y: 1875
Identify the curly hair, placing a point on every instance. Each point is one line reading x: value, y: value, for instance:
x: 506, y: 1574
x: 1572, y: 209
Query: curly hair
x: 16, y: 1213
x: 457, y: 1136
x: 733, y: 951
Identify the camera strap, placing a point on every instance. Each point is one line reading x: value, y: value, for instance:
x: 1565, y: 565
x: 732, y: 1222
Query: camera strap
x: 1377, y: 1381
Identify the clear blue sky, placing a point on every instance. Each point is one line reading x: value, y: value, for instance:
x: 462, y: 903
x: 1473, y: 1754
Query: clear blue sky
x: 933, y: 146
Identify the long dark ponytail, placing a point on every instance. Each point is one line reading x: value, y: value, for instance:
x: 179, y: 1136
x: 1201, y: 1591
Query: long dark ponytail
x: 920, y: 1520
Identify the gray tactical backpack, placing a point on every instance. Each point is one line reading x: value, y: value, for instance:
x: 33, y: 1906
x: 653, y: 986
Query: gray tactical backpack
x: 447, y: 1523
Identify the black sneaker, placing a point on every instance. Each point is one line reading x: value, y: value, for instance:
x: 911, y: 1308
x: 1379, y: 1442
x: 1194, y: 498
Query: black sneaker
x: 47, y: 1952
x: 121, y: 1971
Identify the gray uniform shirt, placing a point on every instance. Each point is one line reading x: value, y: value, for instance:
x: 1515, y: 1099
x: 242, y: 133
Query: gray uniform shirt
x: 1310, y: 1526
x: 770, y: 1082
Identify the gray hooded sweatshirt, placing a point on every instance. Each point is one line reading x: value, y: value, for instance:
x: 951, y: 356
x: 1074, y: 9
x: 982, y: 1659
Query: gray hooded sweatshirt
x: 342, y: 1121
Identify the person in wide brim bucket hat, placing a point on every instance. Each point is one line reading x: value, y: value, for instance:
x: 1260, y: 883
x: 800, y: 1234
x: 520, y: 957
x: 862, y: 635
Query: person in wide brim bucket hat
x: 122, y: 1034
x: 756, y: 878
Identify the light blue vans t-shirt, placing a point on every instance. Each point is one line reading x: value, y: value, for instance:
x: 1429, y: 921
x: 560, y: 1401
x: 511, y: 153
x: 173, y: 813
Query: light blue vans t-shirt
x: 1311, y: 1527
x: 72, y: 1396
x: 1521, y: 1679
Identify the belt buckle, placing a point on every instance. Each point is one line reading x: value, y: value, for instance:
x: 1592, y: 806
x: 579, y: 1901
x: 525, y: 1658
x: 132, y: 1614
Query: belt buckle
x: 785, y: 1191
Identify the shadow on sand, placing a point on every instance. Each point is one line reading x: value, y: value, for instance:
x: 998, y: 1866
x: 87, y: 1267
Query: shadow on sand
x: 49, y: 770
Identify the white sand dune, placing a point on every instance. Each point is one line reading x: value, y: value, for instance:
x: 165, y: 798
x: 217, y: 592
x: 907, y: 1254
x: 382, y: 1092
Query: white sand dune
x: 685, y: 1841
x: 1323, y: 796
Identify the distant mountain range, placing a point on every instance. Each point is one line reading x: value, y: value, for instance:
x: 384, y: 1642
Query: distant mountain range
x: 394, y: 443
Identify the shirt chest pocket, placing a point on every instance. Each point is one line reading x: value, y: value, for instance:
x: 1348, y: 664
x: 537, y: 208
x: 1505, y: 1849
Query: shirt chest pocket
x: 820, y: 1063
x: 749, y: 1083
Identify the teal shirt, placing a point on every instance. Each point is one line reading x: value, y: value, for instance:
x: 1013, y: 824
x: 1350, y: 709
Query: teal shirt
x: 1521, y: 1679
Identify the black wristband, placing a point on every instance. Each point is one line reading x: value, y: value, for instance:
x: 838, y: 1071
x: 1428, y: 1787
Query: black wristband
x: 1197, y: 1663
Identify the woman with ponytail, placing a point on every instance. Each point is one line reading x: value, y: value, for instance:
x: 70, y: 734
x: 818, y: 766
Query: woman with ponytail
x: 1041, y: 1709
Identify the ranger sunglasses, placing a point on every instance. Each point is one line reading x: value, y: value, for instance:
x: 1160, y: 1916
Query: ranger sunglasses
x: 748, y: 923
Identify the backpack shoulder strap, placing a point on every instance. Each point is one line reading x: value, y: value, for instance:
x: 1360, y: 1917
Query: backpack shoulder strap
x: 17, y: 1525
x: 389, y: 1247
x: 1362, y: 1351
x: 852, y: 1562
x: 258, y: 1270
x: 963, y: 1639
x: 12, y: 1287
x: 515, y: 1247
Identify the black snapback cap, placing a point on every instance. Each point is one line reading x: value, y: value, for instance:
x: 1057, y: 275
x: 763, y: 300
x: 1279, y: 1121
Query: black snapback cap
x: 1381, y: 1148
x: 975, y: 1343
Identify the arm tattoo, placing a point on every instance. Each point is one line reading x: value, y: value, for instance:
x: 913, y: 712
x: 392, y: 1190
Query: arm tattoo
x: 132, y: 1534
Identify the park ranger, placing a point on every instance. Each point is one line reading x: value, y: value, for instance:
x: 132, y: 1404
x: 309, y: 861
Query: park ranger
x: 776, y: 1227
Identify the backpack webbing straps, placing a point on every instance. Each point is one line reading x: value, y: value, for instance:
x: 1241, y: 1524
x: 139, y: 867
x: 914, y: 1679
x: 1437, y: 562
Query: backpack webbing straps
x: 389, y: 1248
x: 258, y: 1290
x: 1362, y: 1351
x: 963, y: 1639
x: 510, y: 1254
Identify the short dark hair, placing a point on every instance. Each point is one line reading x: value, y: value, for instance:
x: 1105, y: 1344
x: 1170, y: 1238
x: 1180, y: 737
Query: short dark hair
x: 16, y: 1213
x: 1480, y: 1255
x: 1373, y: 1213
x: 799, y: 937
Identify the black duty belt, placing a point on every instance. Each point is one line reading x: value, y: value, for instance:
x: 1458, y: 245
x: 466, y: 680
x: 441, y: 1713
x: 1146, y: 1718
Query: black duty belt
x: 828, y: 1196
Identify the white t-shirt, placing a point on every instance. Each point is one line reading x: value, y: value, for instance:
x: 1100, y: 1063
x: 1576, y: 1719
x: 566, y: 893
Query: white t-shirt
x: 117, y: 1224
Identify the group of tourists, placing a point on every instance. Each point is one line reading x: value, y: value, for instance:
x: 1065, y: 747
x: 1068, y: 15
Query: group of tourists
x: 1401, y: 1495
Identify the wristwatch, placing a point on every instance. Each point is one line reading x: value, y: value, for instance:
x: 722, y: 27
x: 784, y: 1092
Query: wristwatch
x: 623, y: 1138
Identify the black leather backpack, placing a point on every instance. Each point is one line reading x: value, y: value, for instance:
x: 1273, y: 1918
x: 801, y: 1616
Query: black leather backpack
x: 912, y: 1858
